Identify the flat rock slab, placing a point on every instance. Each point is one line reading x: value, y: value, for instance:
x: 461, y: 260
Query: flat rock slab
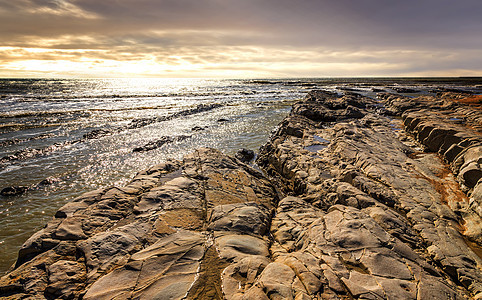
x: 169, y: 234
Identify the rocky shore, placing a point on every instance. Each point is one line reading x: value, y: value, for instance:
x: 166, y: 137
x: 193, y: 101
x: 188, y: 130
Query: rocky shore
x: 357, y: 198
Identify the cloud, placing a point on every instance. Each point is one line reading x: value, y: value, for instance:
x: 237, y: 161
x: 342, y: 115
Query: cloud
x: 404, y: 37
x: 46, y: 8
x: 281, y: 22
x: 237, y: 61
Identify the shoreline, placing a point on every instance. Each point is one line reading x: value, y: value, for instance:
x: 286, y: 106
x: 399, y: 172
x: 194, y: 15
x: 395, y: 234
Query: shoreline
x: 357, y: 203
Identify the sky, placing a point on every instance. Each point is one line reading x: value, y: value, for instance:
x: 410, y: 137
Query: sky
x: 240, y: 38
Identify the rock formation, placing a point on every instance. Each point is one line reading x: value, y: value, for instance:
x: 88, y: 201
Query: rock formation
x: 361, y: 199
x: 381, y: 216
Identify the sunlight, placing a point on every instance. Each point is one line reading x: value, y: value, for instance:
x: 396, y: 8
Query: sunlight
x: 67, y: 65
x: 214, y: 62
x: 96, y: 68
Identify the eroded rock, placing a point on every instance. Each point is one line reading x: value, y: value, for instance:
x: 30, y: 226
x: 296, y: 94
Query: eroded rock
x: 372, y: 207
x: 170, y: 233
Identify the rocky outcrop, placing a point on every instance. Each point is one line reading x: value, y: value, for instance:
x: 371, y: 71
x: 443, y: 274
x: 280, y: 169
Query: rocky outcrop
x: 245, y: 155
x: 451, y: 125
x: 18, y: 190
x: 361, y: 199
x: 160, y: 142
x: 171, y: 233
x: 379, y: 214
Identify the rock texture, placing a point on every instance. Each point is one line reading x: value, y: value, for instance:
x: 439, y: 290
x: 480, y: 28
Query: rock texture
x: 361, y: 198
x: 380, y: 215
x: 169, y: 234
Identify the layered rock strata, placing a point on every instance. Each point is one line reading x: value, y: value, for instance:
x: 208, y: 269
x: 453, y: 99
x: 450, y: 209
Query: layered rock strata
x: 169, y: 234
x: 383, y: 217
x: 366, y: 199
x: 451, y: 125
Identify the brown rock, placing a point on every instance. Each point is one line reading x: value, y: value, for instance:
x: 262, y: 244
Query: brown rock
x: 65, y: 278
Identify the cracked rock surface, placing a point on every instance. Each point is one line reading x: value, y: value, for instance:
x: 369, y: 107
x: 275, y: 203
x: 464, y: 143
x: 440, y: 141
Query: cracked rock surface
x: 169, y: 234
x: 375, y: 201
x: 361, y: 198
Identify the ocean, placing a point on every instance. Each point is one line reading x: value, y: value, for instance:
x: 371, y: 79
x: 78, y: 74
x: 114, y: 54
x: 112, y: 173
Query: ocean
x: 60, y: 138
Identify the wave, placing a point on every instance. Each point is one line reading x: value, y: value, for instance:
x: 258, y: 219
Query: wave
x: 15, y: 141
x: 81, y: 112
x: 33, y: 152
x: 17, y: 126
x: 28, y: 153
x: 25, y: 114
x: 142, y: 122
x: 245, y: 91
x: 26, y: 98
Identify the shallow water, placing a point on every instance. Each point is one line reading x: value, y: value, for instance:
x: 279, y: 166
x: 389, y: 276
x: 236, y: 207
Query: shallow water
x: 43, y: 123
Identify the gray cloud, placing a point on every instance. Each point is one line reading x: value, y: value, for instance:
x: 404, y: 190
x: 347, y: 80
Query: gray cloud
x: 276, y: 21
x: 200, y: 30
